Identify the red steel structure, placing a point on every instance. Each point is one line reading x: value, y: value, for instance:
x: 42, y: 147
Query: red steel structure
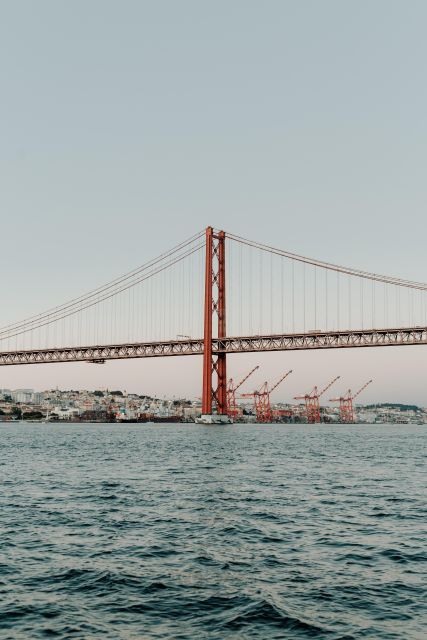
x: 214, y: 362
x: 312, y: 405
x: 212, y: 343
x: 100, y: 353
x: 232, y: 408
x: 261, y: 398
x: 346, y: 404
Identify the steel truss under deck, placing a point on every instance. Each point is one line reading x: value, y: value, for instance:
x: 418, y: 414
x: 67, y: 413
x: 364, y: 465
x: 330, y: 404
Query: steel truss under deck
x: 285, y: 342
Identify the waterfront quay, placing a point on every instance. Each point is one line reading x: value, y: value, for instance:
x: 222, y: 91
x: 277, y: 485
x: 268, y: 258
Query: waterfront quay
x: 56, y: 405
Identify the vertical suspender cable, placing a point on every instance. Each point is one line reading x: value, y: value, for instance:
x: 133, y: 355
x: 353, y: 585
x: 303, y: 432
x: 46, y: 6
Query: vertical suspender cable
x: 250, y: 288
x: 261, y: 300
x: 293, y: 296
x: 326, y: 299
x: 315, y: 297
x: 271, y: 293
x: 304, y: 290
x: 338, y: 300
x: 282, y: 328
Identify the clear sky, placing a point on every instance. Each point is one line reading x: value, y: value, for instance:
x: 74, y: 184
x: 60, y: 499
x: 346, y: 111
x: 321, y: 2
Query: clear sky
x: 126, y: 126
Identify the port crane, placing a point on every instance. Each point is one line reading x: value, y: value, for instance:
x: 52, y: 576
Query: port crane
x: 232, y: 409
x: 346, y: 404
x: 261, y: 399
x: 312, y: 405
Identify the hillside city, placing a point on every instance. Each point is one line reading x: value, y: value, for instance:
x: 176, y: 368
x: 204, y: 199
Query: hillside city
x: 55, y: 405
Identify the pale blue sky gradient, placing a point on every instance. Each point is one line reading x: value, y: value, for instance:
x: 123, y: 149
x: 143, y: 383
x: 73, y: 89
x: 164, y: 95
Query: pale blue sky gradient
x: 128, y: 126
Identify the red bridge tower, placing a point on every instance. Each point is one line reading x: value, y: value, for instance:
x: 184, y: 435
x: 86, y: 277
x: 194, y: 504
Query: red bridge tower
x: 214, y: 364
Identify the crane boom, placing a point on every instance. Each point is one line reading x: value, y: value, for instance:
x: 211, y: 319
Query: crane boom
x: 281, y: 380
x: 246, y: 377
x: 328, y: 386
x: 361, y: 389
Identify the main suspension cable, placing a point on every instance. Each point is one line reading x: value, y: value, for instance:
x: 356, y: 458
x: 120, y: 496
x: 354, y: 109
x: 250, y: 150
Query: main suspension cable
x: 73, y: 311
x: 330, y: 266
x: 55, y: 311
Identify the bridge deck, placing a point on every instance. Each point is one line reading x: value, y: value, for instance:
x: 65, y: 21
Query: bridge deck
x: 245, y: 344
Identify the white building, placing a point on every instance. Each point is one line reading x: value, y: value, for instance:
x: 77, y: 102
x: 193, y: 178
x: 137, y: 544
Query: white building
x: 23, y: 395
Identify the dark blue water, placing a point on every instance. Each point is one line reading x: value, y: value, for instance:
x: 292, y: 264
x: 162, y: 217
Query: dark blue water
x: 184, y: 531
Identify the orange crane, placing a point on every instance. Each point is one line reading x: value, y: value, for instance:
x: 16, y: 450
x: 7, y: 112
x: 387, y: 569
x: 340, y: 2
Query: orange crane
x: 312, y: 405
x: 232, y: 408
x: 261, y: 398
x: 346, y: 404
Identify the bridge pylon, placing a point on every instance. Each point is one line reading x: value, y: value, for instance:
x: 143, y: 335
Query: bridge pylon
x: 214, y: 395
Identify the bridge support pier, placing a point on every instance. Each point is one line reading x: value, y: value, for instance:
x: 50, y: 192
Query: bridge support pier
x: 214, y: 396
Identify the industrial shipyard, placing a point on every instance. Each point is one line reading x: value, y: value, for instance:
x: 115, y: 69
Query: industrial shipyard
x: 115, y: 406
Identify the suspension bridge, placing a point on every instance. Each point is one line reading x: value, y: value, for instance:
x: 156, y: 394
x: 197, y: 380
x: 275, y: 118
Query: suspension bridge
x: 217, y: 294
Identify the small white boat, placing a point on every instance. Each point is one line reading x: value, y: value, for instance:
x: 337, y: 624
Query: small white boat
x: 214, y: 419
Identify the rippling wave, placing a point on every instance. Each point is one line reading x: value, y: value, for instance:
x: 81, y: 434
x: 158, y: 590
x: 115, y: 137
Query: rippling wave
x: 185, y: 531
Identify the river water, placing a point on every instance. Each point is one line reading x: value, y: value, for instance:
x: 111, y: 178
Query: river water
x: 185, y: 531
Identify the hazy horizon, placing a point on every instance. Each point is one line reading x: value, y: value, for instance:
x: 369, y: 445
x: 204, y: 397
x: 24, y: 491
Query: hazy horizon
x: 127, y: 127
